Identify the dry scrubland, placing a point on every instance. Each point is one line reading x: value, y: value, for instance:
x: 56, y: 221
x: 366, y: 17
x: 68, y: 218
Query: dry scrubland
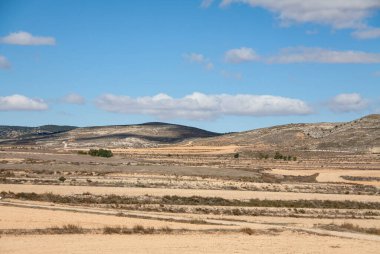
x: 177, y: 189
x: 188, y: 199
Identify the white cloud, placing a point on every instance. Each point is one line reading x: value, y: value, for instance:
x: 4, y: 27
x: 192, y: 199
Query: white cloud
x: 74, y: 98
x: 199, y: 59
x: 319, y: 55
x: 26, y: 39
x: 4, y: 64
x: 18, y: 102
x: 351, y: 102
x: 338, y: 14
x: 367, y: 33
x: 198, y: 106
x: 240, y: 55
x: 206, y: 3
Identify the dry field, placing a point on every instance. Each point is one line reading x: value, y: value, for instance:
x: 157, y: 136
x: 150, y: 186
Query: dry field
x: 188, y: 199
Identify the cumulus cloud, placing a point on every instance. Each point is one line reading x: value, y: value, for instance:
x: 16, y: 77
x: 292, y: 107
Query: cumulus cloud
x: 348, y: 102
x: 240, y: 55
x: 26, y: 39
x: 199, y: 59
x: 199, y: 106
x: 4, y: 64
x: 18, y: 102
x: 320, y: 55
x: 339, y: 13
x: 74, y: 98
x: 206, y: 3
x: 367, y: 33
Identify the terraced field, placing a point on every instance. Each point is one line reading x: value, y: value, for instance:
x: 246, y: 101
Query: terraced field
x: 135, y: 196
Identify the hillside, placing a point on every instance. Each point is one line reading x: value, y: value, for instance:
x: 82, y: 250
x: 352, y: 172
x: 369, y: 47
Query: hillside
x: 13, y: 134
x: 359, y: 135
x: 141, y: 135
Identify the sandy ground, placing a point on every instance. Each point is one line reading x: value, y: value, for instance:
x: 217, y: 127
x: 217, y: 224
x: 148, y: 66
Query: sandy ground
x: 31, y: 218
x: 307, y: 222
x: 228, y: 194
x: 286, y: 242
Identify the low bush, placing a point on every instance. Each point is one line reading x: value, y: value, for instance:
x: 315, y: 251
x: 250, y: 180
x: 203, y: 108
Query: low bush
x: 67, y: 229
x: 248, y: 231
x: 352, y: 228
x: 193, y: 200
x: 100, y: 153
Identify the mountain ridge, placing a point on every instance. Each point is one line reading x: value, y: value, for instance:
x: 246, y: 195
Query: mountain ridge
x: 358, y: 135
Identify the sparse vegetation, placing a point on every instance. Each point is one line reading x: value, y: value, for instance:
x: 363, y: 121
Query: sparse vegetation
x: 361, y: 178
x: 279, y: 156
x: 263, y: 156
x: 351, y: 228
x: 194, y: 200
x: 137, y: 229
x: 248, y: 231
x: 100, y: 153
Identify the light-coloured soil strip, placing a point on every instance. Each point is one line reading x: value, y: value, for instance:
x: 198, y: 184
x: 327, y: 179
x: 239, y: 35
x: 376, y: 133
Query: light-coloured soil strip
x: 128, y: 214
x: 287, y: 242
x: 222, y: 224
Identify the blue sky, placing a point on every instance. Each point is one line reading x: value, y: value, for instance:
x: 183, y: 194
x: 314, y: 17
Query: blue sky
x: 220, y: 65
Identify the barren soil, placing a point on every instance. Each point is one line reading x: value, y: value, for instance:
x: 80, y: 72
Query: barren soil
x: 120, y: 192
x: 188, y: 243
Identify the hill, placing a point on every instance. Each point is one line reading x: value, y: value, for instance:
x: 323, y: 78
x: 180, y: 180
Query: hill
x: 359, y: 135
x: 141, y: 135
x: 12, y: 134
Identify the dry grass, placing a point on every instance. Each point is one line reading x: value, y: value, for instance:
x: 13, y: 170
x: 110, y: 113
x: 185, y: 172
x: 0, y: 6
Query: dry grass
x: 64, y: 230
x: 193, y: 200
x: 248, y: 231
x: 351, y: 228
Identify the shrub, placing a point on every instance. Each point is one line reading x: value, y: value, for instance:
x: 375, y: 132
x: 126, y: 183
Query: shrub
x: 62, y: 179
x: 67, y: 229
x: 263, y: 156
x: 138, y: 228
x: 100, y: 153
x: 236, y: 155
x: 111, y: 230
x: 353, y: 228
x: 166, y: 230
x: 248, y: 231
x: 278, y: 156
